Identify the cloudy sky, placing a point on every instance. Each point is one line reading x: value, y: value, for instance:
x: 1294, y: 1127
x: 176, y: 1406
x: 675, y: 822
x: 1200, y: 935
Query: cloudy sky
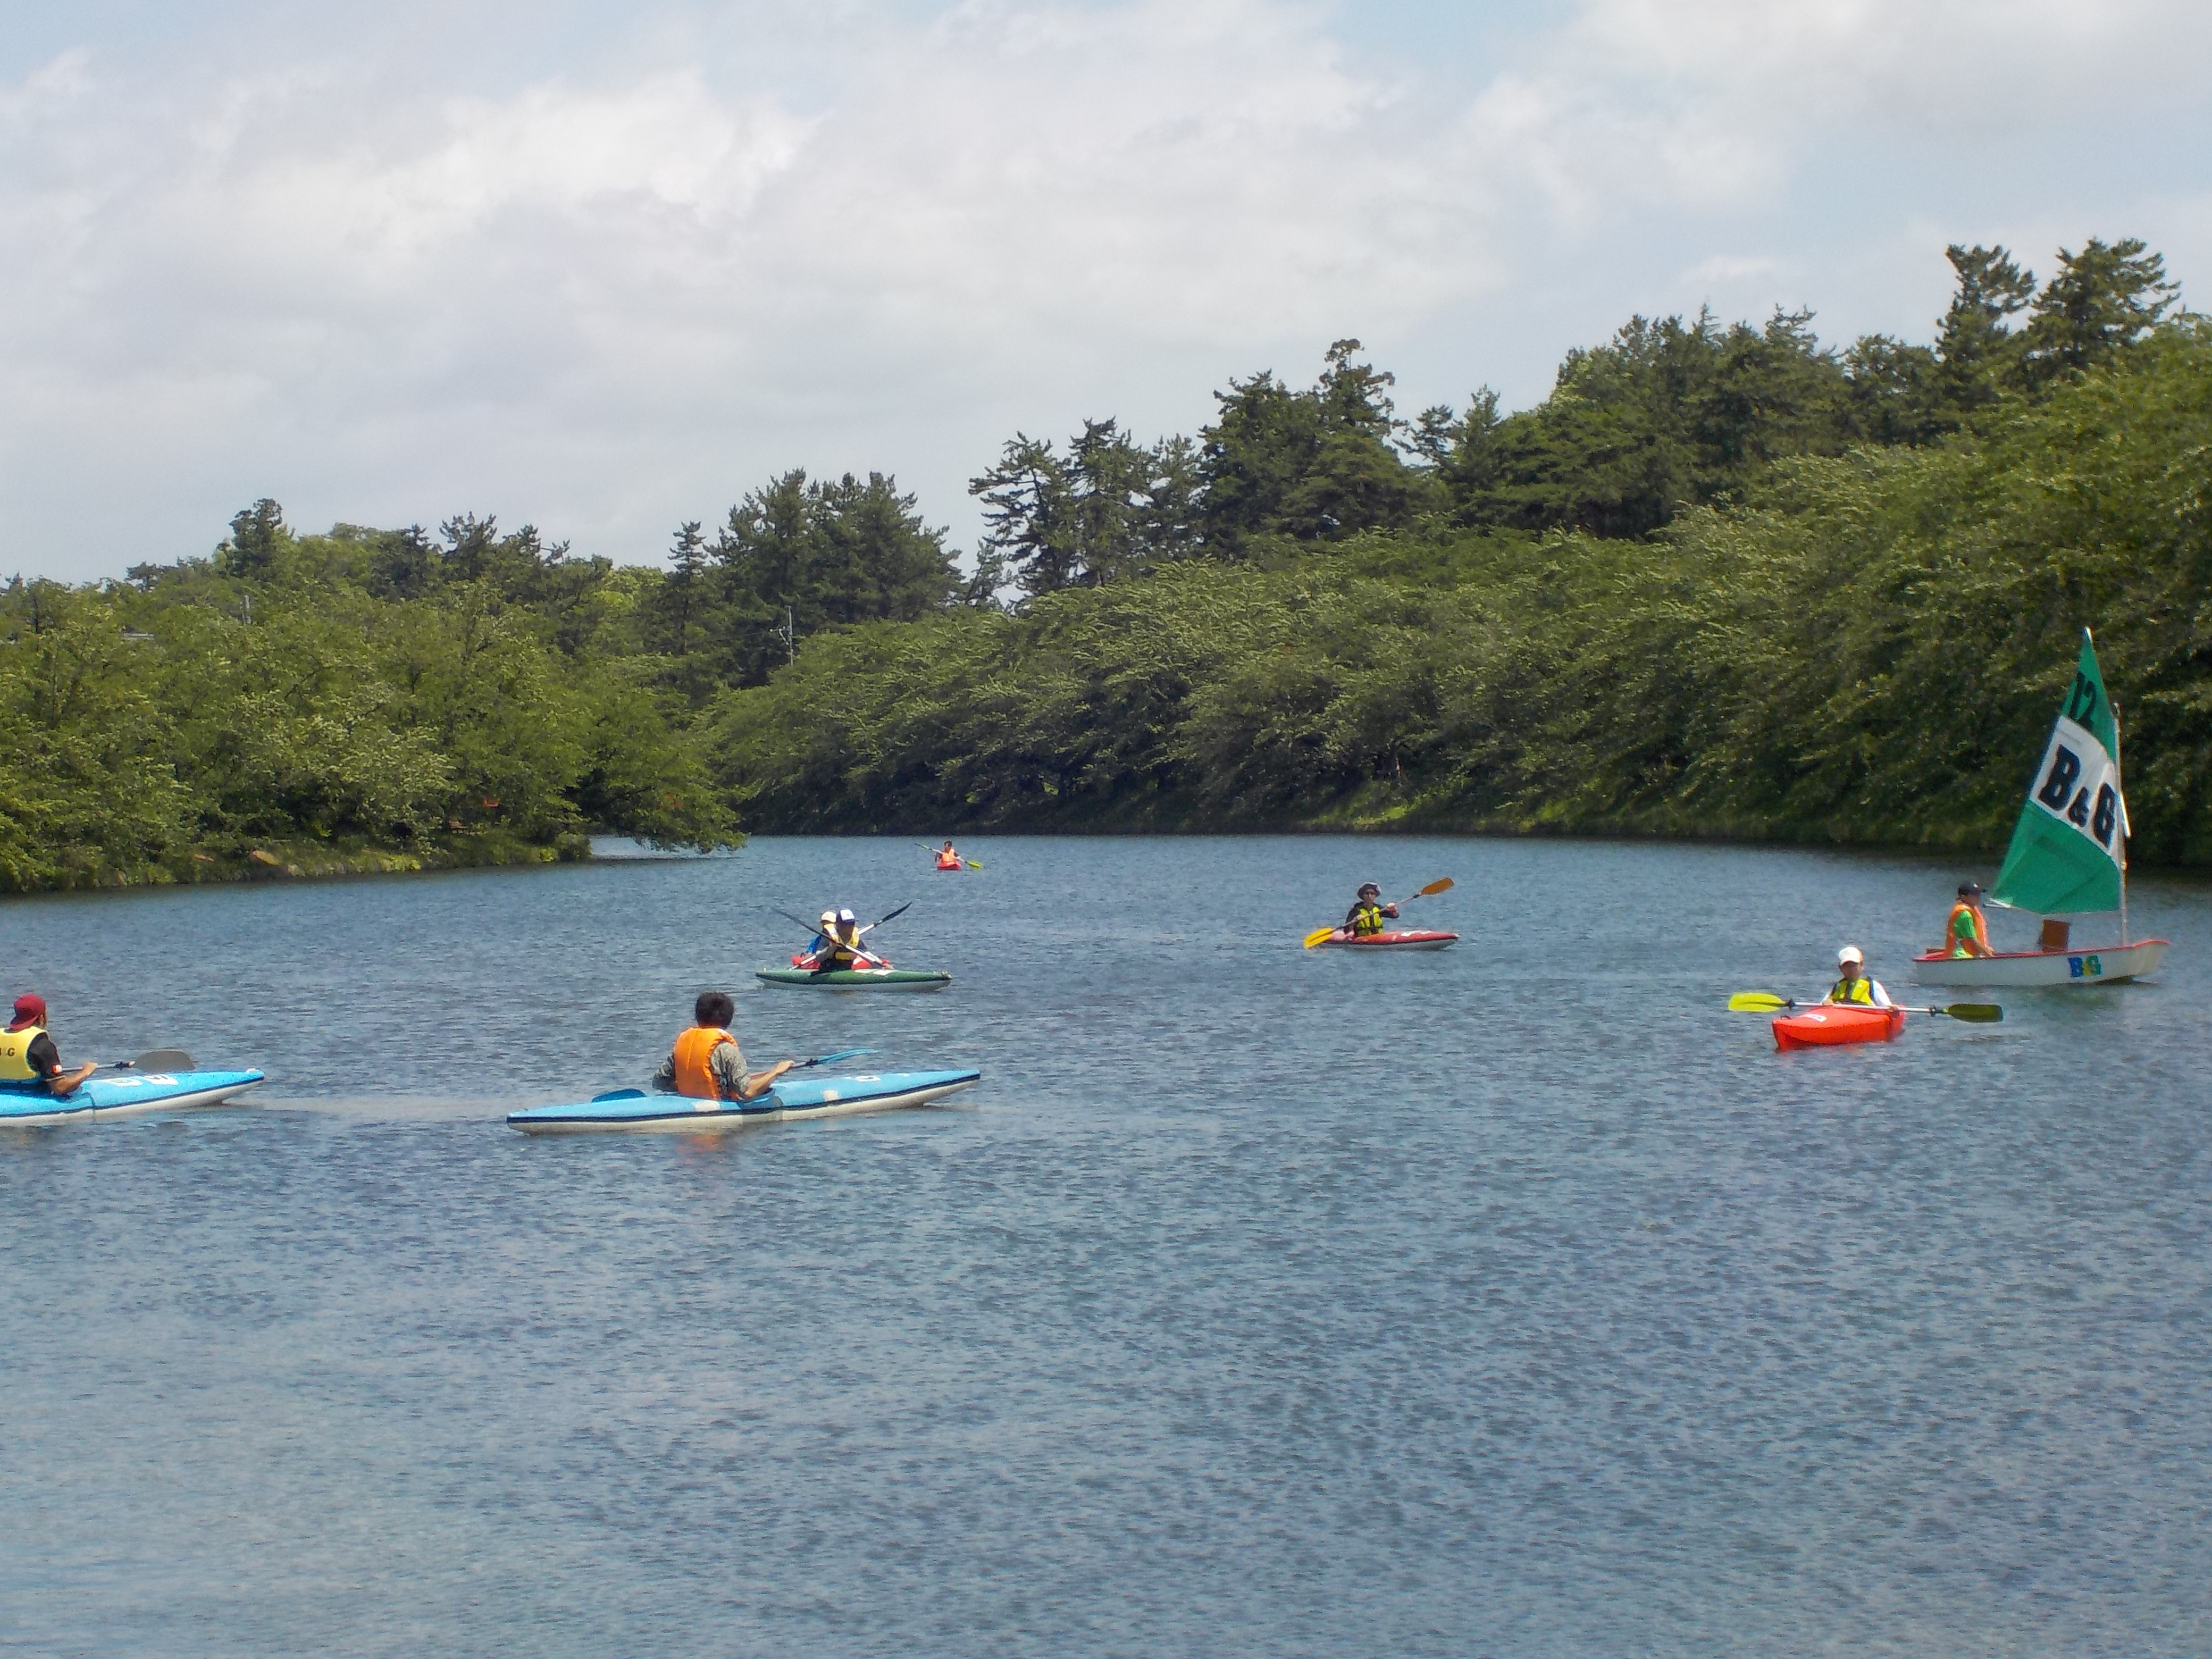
x: 604, y: 264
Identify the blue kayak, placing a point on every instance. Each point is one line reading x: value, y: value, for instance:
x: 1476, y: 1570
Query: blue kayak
x: 794, y: 1096
x: 122, y: 1093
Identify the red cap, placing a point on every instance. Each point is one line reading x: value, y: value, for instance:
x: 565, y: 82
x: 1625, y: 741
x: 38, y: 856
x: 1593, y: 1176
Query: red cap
x: 30, y: 1009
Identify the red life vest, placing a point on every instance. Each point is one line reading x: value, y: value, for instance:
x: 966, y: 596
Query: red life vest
x: 694, y: 1077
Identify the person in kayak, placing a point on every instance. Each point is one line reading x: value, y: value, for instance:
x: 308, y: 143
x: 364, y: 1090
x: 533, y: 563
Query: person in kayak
x: 1366, y: 916
x: 1855, y: 988
x: 28, y: 1058
x: 837, y: 946
x: 947, y: 858
x: 706, y: 1064
x: 1967, y: 932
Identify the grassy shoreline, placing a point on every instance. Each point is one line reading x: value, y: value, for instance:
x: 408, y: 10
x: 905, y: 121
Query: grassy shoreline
x: 305, y: 858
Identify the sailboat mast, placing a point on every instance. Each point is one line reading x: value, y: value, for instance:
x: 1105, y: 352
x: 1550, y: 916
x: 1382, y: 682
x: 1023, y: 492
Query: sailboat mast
x: 2120, y: 781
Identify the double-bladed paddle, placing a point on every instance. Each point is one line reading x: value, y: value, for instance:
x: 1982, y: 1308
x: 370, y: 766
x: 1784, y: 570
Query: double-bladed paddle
x: 1435, y: 887
x: 934, y: 851
x: 1765, y: 1002
x: 157, y: 1060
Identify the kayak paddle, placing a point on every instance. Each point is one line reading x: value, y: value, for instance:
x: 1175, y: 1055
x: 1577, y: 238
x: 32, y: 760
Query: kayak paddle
x: 1435, y: 887
x: 1765, y: 1002
x: 823, y: 1060
x: 157, y: 1060
x: 799, y: 1066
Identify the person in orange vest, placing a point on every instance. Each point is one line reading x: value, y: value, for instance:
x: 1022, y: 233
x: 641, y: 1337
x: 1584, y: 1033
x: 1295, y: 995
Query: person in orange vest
x: 1967, y: 932
x: 28, y: 1058
x: 706, y: 1064
x: 948, y: 859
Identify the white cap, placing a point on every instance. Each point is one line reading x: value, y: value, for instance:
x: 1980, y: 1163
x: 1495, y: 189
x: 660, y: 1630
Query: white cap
x: 846, y: 915
x: 1852, y: 954
x: 829, y: 915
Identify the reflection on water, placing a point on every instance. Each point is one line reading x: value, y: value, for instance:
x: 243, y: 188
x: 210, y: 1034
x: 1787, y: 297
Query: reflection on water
x: 1514, y: 1299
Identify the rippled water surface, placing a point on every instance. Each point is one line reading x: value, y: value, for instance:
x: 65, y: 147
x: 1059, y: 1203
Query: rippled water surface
x: 1512, y: 1300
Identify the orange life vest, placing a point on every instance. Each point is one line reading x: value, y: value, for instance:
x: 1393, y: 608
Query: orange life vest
x: 945, y: 863
x: 1953, y: 944
x: 695, y: 1078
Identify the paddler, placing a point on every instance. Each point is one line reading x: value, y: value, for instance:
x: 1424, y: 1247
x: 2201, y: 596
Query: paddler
x: 837, y: 946
x: 1366, y: 916
x: 1854, y: 987
x: 947, y: 858
x: 706, y: 1064
x: 28, y: 1057
x: 1967, y: 932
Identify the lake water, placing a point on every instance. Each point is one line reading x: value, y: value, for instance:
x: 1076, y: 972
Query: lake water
x: 1512, y: 1300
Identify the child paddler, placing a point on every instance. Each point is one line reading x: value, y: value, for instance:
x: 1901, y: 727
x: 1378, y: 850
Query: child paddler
x: 1366, y: 915
x: 706, y: 1064
x: 1853, y: 988
x: 838, y: 946
x: 1968, y: 932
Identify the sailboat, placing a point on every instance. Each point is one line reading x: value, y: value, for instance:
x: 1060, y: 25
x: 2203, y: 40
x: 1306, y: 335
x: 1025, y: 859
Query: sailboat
x: 2068, y: 857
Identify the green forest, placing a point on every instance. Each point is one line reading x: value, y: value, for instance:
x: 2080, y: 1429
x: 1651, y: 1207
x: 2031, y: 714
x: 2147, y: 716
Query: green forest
x: 1724, y: 580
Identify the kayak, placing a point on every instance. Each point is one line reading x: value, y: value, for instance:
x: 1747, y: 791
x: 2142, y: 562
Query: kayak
x: 858, y: 978
x: 1411, y: 940
x: 123, y: 1094
x: 791, y: 1097
x: 1828, y: 1024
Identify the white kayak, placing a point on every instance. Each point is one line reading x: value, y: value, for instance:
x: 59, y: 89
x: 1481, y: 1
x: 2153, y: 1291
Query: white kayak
x: 633, y: 1110
x: 2096, y: 964
x: 122, y: 1093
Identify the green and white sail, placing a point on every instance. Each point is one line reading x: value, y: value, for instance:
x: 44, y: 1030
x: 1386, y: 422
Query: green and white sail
x: 2071, y: 846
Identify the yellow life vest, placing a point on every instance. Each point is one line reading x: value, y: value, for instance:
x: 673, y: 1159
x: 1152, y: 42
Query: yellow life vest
x: 1367, y: 918
x: 695, y: 1073
x: 1859, y: 991
x: 15, y: 1053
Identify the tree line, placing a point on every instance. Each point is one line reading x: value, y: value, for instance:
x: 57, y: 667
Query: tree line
x: 1722, y: 579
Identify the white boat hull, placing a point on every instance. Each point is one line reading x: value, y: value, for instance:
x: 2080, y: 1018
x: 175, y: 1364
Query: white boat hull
x: 2095, y: 964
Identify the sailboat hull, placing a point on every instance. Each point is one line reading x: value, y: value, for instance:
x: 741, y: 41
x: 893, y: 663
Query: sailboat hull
x: 2106, y: 964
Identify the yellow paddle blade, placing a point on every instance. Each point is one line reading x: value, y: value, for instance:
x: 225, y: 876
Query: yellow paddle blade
x: 1317, y: 936
x: 1756, y: 1002
x: 973, y: 863
x: 1435, y: 887
x: 1987, y: 1013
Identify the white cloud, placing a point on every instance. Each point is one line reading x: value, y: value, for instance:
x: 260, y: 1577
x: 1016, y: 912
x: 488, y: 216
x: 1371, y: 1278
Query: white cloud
x: 617, y: 294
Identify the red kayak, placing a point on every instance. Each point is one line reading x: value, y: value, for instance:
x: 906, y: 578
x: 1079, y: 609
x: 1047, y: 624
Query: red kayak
x: 1414, y: 939
x: 1830, y: 1023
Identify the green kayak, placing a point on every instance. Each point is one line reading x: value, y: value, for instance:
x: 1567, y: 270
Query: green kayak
x: 858, y: 978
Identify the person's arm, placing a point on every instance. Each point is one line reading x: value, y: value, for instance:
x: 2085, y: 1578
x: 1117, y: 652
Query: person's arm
x: 45, y: 1059
x: 665, y: 1079
x: 1391, y: 911
x: 1881, y: 996
x: 753, y: 1087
